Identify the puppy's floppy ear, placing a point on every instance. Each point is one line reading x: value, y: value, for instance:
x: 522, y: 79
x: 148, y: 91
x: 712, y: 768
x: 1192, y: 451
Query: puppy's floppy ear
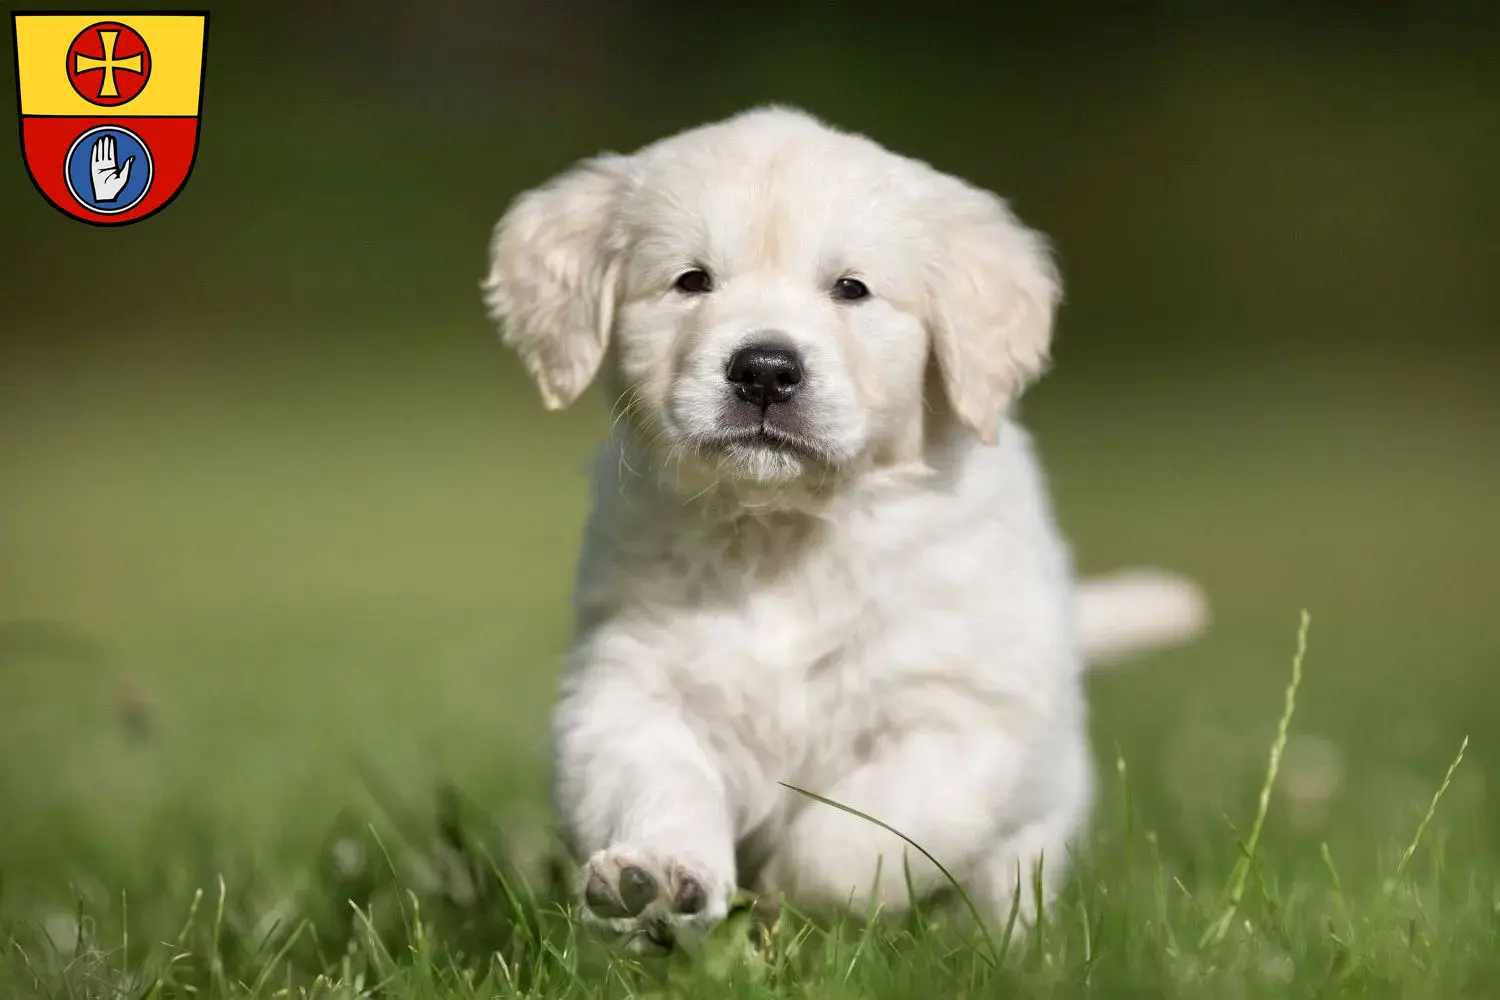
x: 992, y: 292
x: 552, y: 277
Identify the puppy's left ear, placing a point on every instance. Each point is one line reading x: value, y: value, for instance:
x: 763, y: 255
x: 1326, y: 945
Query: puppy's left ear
x: 552, y: 276
x: 992, y: 292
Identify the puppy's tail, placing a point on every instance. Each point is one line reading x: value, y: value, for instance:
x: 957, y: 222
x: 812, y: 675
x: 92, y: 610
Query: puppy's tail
x: 1126, y: 613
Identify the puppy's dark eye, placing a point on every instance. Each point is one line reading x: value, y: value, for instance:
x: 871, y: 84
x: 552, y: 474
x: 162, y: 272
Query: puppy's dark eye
x: 850, y: 290
x: 695, y: 282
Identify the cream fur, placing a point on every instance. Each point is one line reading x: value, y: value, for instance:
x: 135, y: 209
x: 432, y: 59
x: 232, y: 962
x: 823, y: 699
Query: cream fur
x: 877, y: 607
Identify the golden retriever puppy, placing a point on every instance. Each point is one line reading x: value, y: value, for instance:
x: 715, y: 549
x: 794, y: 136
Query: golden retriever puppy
x: 821, y: 550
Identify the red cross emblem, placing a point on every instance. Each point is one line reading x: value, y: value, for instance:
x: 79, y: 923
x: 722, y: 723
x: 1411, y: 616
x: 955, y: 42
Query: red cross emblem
x: 108, y: 63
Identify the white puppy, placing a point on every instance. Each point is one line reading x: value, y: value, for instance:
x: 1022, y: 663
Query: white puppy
x: 821, y: 551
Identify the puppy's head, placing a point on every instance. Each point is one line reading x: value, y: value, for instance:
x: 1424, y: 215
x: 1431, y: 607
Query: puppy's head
x: 765, y: 298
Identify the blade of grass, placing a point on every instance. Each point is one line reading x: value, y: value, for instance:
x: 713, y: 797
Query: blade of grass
x: 216, y: 960
x: 984, y: 930
x: 1038, y: 897
x: 269, y: 969
x: 1338, y: 895
x: 1432, y: 807
x: 1125, y: 803
x: 192, y: 917
x: 1240, y: 875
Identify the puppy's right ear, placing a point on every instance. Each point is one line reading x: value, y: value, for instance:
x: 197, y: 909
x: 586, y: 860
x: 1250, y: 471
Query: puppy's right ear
x: 552, y: 277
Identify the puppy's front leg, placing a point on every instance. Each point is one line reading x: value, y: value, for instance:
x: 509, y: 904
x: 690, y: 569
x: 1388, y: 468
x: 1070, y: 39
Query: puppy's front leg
x: 945, y: 791
x: 643, y: 803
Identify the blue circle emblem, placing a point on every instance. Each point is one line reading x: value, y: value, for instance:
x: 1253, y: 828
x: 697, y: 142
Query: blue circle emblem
x: 108, y: 169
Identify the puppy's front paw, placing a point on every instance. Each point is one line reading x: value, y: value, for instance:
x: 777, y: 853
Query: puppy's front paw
x: 656, y: 902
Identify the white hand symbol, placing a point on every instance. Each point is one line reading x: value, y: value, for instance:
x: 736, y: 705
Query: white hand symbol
x: 108, y: 179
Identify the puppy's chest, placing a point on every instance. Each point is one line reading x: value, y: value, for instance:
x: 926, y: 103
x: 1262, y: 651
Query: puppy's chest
x: 783, y: 672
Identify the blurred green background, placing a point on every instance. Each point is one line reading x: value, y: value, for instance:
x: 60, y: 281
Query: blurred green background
x: 275, y: 506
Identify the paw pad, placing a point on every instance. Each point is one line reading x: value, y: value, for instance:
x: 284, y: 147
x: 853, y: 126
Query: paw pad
x: 653, y: 900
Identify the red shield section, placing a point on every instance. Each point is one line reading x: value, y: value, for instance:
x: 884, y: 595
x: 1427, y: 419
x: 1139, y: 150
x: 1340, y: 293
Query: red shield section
x: 54, y: 147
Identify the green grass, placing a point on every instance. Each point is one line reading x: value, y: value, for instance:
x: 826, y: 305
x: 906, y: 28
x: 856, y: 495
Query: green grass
x: 436, y: 906
x: 276, y: 647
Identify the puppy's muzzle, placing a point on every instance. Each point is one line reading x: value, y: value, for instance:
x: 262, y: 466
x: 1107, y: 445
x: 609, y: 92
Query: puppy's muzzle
x: 764, y: 374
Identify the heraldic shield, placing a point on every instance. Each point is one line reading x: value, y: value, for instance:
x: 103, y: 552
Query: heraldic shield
x: 110, y: 106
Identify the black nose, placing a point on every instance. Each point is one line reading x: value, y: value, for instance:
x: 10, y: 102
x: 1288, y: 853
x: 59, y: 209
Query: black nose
x: 765, y: 374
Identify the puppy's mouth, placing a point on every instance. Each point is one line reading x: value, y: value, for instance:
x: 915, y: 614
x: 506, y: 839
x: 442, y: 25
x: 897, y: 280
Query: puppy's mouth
x: 770, y: 439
